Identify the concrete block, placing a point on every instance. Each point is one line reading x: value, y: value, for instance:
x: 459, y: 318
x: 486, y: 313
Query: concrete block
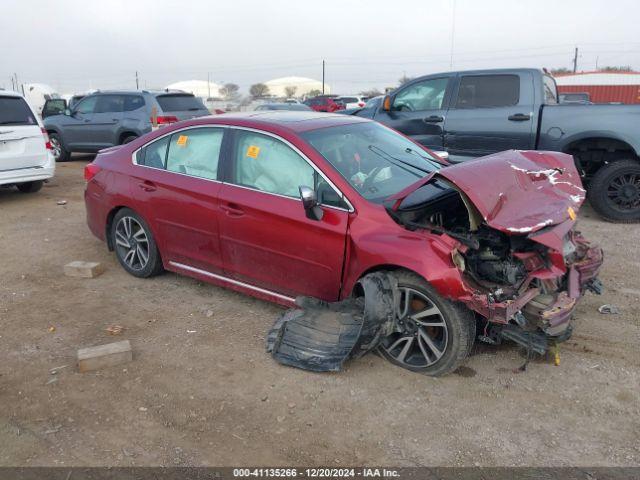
x: 102, y: 356
x: 83, y: 269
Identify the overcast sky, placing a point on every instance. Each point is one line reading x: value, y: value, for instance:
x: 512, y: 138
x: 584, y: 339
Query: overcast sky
x: 74, y: 45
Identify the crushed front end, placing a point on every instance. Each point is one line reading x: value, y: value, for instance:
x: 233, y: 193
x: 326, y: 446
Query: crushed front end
x: 512, y: 216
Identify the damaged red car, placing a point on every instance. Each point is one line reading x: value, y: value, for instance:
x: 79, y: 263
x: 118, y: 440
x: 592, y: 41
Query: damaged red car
x: 286, y: 204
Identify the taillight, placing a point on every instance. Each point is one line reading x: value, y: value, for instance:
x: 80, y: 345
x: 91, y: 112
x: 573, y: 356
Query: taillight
x: 361, y: 104
x: 165, y: 119
x: 90, y: 171
x: 47, y: 142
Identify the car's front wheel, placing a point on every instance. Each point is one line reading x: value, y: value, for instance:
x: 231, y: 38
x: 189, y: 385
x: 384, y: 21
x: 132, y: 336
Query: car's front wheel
x: 60, y: 154
x: 134, y: 244
x: 433, y: 336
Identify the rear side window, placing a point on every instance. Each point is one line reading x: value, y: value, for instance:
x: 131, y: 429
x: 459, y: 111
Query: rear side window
x: 179, y: 103
x: 349, y: 100
x: 265, y: 163
x: 154, y: 154
x: 15, y: 111
x: 109, y: 104
x: 133, y: 102
x: 195, y: 152
x: 482, y: 91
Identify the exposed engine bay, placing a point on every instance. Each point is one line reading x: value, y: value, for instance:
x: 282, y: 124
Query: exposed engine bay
x: 521, y: 287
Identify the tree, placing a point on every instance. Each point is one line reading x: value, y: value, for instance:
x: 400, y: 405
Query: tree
x: 561, y: 70
x: 259, y: 90
x: 290, y: 91
x: 624, y: 68
x: 313, y: 93
x: 404, y: 79
x: 374, y: 92
x: 229, y: 91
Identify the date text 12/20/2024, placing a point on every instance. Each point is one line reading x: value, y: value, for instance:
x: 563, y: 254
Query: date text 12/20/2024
x: 315, y: 472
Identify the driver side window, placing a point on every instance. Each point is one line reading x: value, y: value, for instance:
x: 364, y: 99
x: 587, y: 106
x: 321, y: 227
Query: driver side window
x: 425, y: 95
x: 87, y: 105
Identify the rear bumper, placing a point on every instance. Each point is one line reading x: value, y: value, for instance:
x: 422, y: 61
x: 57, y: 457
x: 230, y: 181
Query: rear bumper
x: 23, y: 175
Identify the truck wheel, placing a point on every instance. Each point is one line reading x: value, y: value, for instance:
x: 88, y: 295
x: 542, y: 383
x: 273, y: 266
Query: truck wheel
x: 59, y: 152
x: 30, y: 187
x: 434, y: 335
x: 128, y: 139
x: 614, y: 191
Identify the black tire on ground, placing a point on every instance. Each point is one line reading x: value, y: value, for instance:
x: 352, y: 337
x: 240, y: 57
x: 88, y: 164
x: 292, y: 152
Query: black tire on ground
x: 129, y: 228
x: 129, y: 139
x: 614, y: 191
x: 460, y: 329
x: 59, y: 152
x: 30, y: 187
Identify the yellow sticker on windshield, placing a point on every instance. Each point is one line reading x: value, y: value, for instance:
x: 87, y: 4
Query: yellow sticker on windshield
x: 253, y: 151
x: 182, y: 140
x: 572, y: 213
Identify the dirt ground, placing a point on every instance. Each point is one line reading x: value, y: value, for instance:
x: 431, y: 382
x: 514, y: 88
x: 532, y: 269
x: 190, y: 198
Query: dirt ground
x: 202, y: 391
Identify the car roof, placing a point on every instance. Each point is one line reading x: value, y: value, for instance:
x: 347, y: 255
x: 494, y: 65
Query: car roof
x: 295, y: 121
x: 10, y: 93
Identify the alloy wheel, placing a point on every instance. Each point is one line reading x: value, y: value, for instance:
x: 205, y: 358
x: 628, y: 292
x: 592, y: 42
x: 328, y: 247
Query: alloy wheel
x: 422, y: 335
x: 132, y: 243
x: 56, y: 149
x: 624, y: 191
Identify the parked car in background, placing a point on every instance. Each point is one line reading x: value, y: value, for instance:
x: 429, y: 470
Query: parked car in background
x: 105, y: 119
x: 292, y: 100
x: 475, y: 113
x: 578, y: 97
x: 283, y: 106
x: 26, y: 160
x: 351, y: 101
x: 324, y: 103
x: 302, y: 203
x: 365, y: 111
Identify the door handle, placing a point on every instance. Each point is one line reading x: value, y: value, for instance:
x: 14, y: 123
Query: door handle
x: 232, y: 209
x: 519, y: 117
x: 434, y: 119
x: 148, y: 186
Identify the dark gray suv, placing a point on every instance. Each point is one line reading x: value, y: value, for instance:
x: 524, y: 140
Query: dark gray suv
x: 105, y: 119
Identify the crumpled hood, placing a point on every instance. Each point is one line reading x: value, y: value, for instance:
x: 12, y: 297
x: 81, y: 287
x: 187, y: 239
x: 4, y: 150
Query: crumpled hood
x: 516, y: 191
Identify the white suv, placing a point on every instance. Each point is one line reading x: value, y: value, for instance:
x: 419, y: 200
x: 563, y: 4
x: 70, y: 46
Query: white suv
x: 25, y: 152
x: 351, y: 101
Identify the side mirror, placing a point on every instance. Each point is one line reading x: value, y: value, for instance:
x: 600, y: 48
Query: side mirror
x: 310, y: 203
x: 386, y: 103
x: 67, y: 112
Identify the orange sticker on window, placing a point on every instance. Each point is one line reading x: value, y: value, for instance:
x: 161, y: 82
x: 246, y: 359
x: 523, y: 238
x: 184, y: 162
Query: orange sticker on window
x: 182, y: 140
x: 572, y: 213
x: 253, y: 151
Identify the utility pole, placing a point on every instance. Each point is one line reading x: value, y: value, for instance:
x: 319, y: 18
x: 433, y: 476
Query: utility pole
x: 13, y: 87
x: 136, y: 80
x: 575, y: 60
x: 323, y: 77
x: 15, y: 75
x: 453, y: 33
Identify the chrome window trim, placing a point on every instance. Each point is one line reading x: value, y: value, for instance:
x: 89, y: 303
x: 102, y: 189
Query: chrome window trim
x: 306, y: 159
x: 232, y: 281
x: 350, y: 208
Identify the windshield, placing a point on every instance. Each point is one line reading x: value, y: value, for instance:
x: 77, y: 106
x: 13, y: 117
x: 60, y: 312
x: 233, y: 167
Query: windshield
x: 375, y: 160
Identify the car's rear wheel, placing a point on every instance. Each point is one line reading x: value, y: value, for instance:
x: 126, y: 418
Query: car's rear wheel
x: 433, y: 336
x: 134, y: 244
x: 60, y: 154
x: 614, y: 191
x: 30, y: 187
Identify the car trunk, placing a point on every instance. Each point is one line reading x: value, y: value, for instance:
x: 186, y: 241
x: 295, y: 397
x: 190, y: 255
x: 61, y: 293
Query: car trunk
x: 22, y: 143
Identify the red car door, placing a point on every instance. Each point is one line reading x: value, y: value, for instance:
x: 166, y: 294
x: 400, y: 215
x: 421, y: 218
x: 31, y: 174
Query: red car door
x: 266, y: 238
x: 176, y: 188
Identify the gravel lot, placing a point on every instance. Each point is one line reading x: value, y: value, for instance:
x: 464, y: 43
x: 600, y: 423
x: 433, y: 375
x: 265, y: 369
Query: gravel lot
x: 214, y: 397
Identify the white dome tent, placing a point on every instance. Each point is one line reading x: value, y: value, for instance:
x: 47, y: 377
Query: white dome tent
x: 302, y: 86
x: 199, y: 88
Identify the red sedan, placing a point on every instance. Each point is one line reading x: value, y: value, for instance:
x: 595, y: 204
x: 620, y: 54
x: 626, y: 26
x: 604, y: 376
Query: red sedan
x: 282, y: 204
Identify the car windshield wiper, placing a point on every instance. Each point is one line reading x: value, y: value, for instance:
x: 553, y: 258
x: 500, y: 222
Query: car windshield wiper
x: 377, y: 150
x: 423, y: 157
